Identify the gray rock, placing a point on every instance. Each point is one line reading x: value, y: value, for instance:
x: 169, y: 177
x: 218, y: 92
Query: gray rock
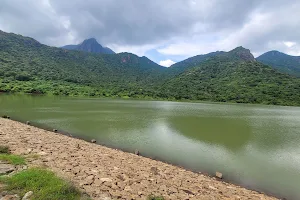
x: 219, y: 175
x: 6, y: 168
x: 11, y: 197
x: 27, y: 195
x: 105, y: 180
x: 42, y: 153
x: 154, y: 170
x: 136, y: 152
x: 93, y: 141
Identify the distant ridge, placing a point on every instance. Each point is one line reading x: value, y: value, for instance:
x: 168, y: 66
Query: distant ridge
x: 192, y: 62
x: 282, y: 62
x: 240, y: 53
x: 90, y: 45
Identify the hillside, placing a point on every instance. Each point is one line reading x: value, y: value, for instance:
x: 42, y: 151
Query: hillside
x: 27, y: 66
x: 191, y: 62
x: 90, y: 45
x: 234, y: 77
x: 282, y: 62
x: 24, y: 63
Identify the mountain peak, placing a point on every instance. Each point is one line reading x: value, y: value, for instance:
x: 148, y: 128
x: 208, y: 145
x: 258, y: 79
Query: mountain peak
x: 90, y: 45
x: 242, y: 53
x: 90, y: 40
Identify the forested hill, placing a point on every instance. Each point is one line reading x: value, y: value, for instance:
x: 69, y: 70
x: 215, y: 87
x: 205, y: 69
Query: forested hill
x: 25, y: 59
x: 191, y: 62
x: 30, y: 67
x: 90, y: 45
x: 282, y: 62
x: 234, y: 77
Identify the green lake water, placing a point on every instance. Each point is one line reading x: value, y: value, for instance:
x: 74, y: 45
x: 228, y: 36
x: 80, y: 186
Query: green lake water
x: 253, y: 145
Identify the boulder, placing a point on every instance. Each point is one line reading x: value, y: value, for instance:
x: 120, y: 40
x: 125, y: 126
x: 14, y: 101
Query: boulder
x: 55, y: 130
x: 93, y: 141
x: 219, y: 175
x: 136, y: 152
x: 27, y: 195
x: 28, y: 122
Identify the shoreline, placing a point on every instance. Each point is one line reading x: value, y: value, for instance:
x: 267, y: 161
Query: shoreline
x: 152, y: 99
x: 131, y: 176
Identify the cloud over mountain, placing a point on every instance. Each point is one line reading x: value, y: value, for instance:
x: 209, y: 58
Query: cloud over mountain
x: 173, y: 27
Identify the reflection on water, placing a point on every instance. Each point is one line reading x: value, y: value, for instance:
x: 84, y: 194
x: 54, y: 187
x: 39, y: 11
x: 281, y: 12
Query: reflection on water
x: 254, y: 145
x: 232, y: 133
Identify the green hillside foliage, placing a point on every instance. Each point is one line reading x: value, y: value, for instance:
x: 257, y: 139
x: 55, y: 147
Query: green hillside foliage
x: 224, y: 79
x: 191, y: 62
x: 282, y: 62
x: 26, y: 66
x: 23, y: 59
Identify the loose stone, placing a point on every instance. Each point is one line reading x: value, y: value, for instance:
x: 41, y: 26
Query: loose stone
x: 27, y: 195
x: 219, y: 175
x: 93, y: 141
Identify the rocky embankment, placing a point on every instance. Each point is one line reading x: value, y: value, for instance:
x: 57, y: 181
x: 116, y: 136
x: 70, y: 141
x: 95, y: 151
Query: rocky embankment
x: 106, y: 173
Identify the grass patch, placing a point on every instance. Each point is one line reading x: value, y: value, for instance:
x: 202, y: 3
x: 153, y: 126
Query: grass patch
x: 44, y: 184
x: 12, y: 159
x: 151, y: 197
x: 4, y: 149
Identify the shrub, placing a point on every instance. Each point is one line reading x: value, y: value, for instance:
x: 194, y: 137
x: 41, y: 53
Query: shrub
x: 152, y: 197
x: 4, y: 149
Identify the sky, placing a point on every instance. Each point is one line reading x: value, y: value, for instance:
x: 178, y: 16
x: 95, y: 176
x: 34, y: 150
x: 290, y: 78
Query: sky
x: 166, y: 31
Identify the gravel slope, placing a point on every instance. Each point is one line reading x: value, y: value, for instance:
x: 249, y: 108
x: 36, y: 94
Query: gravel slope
x: 106, y: 173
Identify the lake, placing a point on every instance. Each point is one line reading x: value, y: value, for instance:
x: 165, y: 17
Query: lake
x: 252, y: 145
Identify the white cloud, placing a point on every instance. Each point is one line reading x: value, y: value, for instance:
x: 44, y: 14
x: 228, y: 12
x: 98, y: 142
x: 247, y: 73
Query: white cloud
x: 189, y: 28
x: 289, y: 44
x: 166, y: 63
x: 136, y: 49
x: 192, y: 49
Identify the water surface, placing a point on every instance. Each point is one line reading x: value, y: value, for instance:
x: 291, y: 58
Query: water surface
x: 253, y: 145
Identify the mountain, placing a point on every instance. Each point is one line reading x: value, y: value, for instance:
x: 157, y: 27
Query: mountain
x: 27, y: 66
x: 25, y: 59
x: 282, y: 62
x: 90, y: 45
x: 240, y: 53
x: 195, y: 61
x: 234, y: 76
x: 191, y: 62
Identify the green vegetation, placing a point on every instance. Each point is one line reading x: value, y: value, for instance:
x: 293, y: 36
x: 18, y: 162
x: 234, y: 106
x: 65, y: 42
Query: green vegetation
x: 191, y: 62
x: 4, y: 149
x: 12, y: 159
x: 27, y: 66
x: 224, y: 79
x: 282, y: 62
x: 30, y: 67
x: 151, y: 197
x: 44, y: 184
